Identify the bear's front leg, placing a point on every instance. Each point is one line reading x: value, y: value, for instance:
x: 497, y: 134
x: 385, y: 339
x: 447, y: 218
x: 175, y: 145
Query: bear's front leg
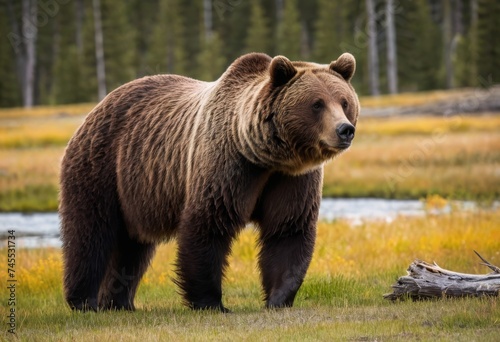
x: 201, y: 260
x: 283, y: 261
x: 286, y: 215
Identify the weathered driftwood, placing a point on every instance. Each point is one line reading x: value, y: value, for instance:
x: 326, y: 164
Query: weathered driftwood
x: 426, y: 280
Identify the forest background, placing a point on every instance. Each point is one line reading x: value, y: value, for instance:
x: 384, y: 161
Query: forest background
x: 73, y: 51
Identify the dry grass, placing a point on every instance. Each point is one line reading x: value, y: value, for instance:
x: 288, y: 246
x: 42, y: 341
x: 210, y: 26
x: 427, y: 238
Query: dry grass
x: 29, y: 178
x: 415, y: 157
x: 29, y: 133
x: 60, y: 111
x: 413, y: 99
x: 398, y: 157
x: 380, y: 246
x: 341, y: 298
x: 435, y: 126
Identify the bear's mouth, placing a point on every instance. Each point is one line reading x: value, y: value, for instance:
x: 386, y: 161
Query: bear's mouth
x: 329, y: 150
x: 343, y: 145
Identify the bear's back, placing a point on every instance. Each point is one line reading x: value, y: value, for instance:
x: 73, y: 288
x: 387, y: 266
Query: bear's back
x: 134, y: 140
x: 152, y: 152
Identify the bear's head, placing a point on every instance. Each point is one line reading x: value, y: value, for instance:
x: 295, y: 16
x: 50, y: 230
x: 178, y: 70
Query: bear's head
x: 311, y: 111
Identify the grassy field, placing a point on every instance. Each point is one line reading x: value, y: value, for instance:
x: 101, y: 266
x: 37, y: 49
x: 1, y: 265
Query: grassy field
x: 399, y: 157
x: 353, y: 265
x: 414, y: 157
x: 341, y: 298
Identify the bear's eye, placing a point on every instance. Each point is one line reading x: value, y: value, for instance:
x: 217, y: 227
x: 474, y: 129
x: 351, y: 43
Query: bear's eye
x: 345, y: 104
x: 318, y: 105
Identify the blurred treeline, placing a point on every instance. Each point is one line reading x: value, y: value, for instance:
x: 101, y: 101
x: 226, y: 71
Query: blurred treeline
x: 70, y: 51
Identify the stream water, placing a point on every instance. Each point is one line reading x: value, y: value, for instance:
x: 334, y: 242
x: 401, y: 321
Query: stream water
x: 42, y: 229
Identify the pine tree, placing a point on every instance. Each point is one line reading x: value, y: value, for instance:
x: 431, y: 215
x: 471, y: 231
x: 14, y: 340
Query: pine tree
x: 88, y: 60
x: 99, y: 50
x: 23, y: 38
x: 167, y: 53
x: 211, y: 60
x: 191, y: 13
x: 392, y: 64
x: 465, y: 63
x: 373, y: 64
x: 258, y: 34
x: 68, y: 79
x: 488, y: 42
x: 48, y: 47
x: 9, y: 86
x: 119, y: 47
x: 354, y: 39
x: 308, y: 11
x: 231, y: 21
x: 419, y: 48
x: 327, y: 40
x: 289, y: 32
x: 141, y: 12
x: 361, y: 80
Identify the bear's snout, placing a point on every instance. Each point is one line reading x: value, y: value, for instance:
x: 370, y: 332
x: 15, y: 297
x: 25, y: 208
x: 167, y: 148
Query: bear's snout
x: 345, y: 132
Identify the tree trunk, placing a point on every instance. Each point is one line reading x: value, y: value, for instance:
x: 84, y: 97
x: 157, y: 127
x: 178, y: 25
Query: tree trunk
x: 207, y: 19
x: 99, y: 50
x: 17, y: 42
x: 305, y: 50
x: 448, y: 43
x: 23, y: 39
x: 426, y: 280
x: 392, y: 65
x: 458, y: 27
x: 472, y: 73
x: 30, y: 32
x: 473, y: 16
x: 79, y: 13
x: 279, y: 10
x: 372, y: 48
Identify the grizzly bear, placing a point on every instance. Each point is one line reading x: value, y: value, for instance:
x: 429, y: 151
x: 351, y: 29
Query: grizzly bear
x: 167, y: 156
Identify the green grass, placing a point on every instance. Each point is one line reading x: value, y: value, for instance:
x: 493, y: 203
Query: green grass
x: 341, y: 298
x: 32, y: 198
x: 446, y: 320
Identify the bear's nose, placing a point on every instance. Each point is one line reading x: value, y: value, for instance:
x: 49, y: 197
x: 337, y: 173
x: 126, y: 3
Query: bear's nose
x: 346, y: 132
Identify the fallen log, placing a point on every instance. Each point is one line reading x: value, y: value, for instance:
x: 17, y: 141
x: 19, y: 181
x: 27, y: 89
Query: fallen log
x: 426, y: 281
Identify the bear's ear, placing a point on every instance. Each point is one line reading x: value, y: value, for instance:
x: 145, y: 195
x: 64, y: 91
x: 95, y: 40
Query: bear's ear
x: 345, y: 65
x: 281, y: 71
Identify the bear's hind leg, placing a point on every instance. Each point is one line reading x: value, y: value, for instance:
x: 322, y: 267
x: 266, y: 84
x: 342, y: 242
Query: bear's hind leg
x: 90, y: 224
x: 85, y: 259
x: 128, y: 264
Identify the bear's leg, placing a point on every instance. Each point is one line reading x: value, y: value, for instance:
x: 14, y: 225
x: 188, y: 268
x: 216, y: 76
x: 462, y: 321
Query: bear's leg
x: 90, y: 223
x: 86, y: 253
x: 283, y: 261
x: 286, y: 215
x: 128, y: 264
x: 201, y: 261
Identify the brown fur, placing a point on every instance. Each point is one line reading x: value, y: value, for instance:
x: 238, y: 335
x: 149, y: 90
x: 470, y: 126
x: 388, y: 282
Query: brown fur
x: 167, y: 157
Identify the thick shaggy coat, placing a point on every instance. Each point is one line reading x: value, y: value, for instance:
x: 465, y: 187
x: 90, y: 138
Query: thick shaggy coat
x: 167, y: 157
